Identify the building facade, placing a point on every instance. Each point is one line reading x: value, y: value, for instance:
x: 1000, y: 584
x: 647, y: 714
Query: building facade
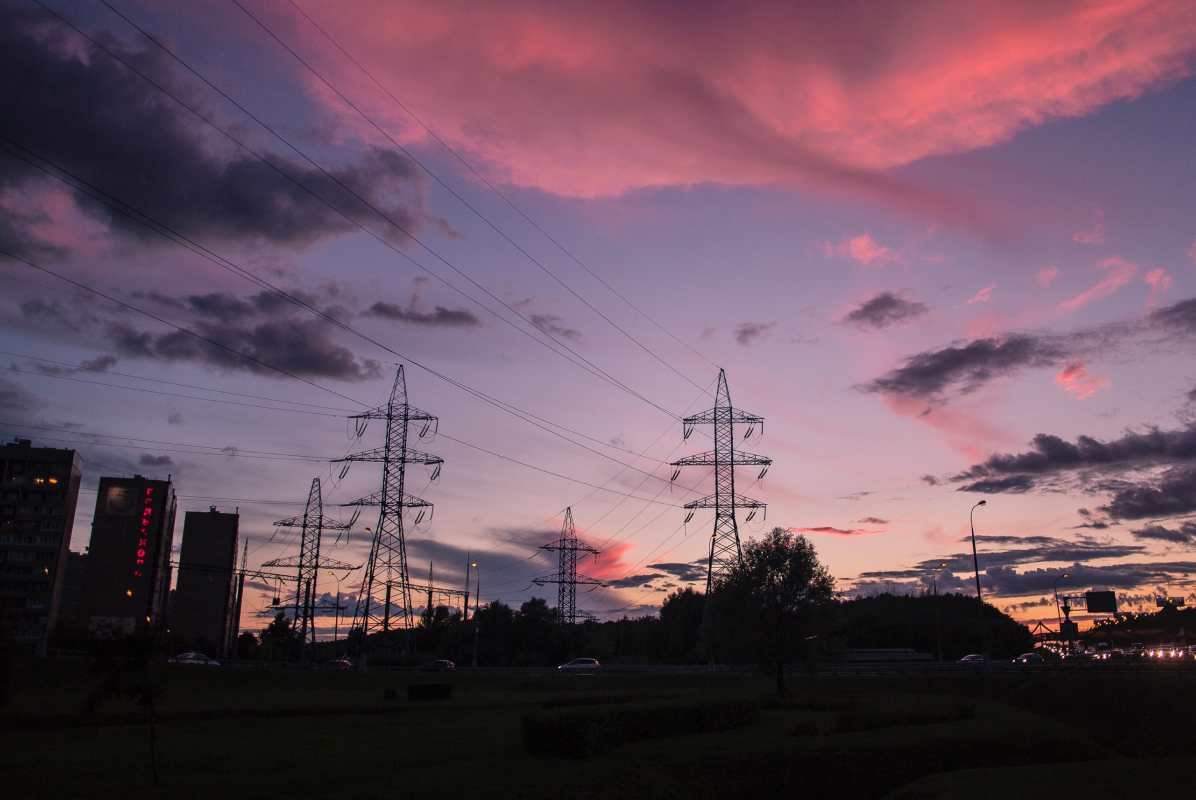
x: 203, y: 593
x: 127, y: 579
x: 39, y: 489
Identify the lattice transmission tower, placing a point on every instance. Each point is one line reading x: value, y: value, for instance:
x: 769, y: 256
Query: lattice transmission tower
x: 724, y: 542
x: 386, y: 568
x: 567, y: 579
x: 313, y: 524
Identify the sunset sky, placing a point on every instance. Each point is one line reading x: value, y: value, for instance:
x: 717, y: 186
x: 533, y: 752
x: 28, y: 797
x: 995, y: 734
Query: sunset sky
x: 947, y: 250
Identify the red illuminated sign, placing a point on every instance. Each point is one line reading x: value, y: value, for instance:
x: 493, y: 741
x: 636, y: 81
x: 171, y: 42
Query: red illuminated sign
x: 143, y: 542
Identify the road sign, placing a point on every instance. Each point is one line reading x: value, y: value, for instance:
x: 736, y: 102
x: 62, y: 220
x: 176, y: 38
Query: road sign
x: 1101, y: 602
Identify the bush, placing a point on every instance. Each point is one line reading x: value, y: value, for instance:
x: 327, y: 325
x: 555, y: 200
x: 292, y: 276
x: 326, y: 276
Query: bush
x: 429, y: 691
x: 582, y: 733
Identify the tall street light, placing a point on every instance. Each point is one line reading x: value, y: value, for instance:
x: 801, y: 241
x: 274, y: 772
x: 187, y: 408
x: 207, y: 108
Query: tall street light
x: 938, y: 629
x: 477, y: 599
x: 1058, y: 619
x: 976, y: 566
x: 336, y: 626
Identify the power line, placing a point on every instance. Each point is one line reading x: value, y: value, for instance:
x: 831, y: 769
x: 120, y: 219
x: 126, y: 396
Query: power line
x: 547, y: 341
x: 340, y: 411
x: 166, y: 394
x: 437, y: 178
x: 492, y: 188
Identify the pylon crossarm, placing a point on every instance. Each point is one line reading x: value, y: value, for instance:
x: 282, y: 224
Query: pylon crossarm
x: 712, y: 501
x: 413, y: 414
x: 375, y: 499
x: 379, y: 455
x: 293, y: 561
x: 735, y: 416
x: 710, y: 459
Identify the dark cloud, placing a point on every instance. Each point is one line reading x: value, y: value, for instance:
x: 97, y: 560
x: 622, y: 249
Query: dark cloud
x: 685, y: 572
x: 633, y: 581
x: 440, y: 317
x: 873, y: 521
x: 1014, y: 484
x: 175, y: 419
x: 884, y: 311
x: 1032, y: 549
x: 1169, y: 494
x: 967, y: 366
x: 748, y: 332
x: 147, y: 460
x: 1185, y: 535
x: 826, y: 529
x: 553, y: 325
x: 74, y: 105
x: 1050, y: 454
x: 14, y: 397
x: 101, y: 364
x: 262, y: 328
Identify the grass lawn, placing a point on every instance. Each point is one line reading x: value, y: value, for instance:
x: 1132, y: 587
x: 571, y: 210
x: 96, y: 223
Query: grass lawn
x: 229, y: 733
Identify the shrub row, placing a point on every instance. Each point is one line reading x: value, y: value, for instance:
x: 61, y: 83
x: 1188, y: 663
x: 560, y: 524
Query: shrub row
x: 580, y: 733
x: 601, y: 700
x: 429, y: 691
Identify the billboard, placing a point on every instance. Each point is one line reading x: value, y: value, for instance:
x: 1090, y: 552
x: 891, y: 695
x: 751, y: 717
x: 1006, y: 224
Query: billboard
x: 1101, y: 602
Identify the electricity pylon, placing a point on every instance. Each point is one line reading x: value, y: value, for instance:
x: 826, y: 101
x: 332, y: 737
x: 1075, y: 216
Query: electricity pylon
x: 386, y: 568
x: 568, y: 546
x: 313, y: 524
x: 724, y: 542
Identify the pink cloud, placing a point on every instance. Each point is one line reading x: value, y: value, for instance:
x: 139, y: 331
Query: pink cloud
x: 1046, y: 275
x: 1094, y: 236
x: 602, y: 99
x: 982, y: 295
x: 1077, y: 380
x: 968, y: 432
x: 862, y: 248
x: 1120, y: 273
x: 835, y: 531
x: 1159, y: 282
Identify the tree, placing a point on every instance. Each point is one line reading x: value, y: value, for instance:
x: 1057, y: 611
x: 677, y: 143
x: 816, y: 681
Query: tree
x: 123, y: 666
x: 276, y: 637
x: 775, y: 594
x: 681, y: 623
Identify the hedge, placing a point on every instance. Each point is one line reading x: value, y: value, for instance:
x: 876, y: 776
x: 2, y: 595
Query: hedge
x: 429, y: 691
x: 581, y: 733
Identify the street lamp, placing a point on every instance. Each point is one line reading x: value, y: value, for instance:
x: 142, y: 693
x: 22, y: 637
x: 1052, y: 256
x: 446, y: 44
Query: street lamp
x: 976, y: 567
x: 336, y: 625
x: 938, y: 629
x: 476, y: 602
x: 1058, y: 619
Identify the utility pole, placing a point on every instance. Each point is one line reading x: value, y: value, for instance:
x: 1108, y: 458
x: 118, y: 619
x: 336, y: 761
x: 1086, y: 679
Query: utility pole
x: 567, y: 548
x: 386, y: 568
x: 312, y: 523
x: 724, y: 543
x: 465, y: 608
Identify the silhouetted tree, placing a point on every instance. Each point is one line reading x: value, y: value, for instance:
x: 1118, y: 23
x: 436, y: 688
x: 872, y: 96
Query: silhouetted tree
x: 775, y: 596
x: 247, y: 646
x: 681, y: 624
x: 123, y: 665
x: 276, y: 637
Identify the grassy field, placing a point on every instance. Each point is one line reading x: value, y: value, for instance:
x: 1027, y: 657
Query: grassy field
x: 228, y: 733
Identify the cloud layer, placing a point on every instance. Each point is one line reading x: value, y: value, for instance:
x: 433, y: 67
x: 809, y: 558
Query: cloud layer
x: 584, y: 101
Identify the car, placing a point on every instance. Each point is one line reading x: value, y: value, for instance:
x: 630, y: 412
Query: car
x: 439, y: 665
x: 336, y: 664
x: 1029, y: 658
x: 581, y: 665
x: 974, y: 658
x: 193, y: 658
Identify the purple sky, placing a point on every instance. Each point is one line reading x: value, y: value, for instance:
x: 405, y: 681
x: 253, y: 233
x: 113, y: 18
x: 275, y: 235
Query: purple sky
x: 948, y: 252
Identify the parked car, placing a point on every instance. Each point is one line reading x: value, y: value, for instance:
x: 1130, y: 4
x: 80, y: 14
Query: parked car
x: 974, y: 658
x: 1029, y: 658
x: 439, y: 665
x: 193, y: 658
x: 581, y: 665
x: 336, y: 664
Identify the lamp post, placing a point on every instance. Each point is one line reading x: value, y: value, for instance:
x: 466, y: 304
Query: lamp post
x: 976, y: 567
x: 1058, y: 619
x: 476, y: 602
x: 336, y: 625
x: 938, y: 628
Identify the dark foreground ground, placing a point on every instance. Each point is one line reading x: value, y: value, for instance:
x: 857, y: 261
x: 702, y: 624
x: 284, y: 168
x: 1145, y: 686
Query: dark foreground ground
x: 228, y: 733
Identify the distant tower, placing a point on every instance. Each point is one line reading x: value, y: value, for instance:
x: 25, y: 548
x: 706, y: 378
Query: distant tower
x: 386, y: 569
x: 724, y: 542
x: 568, y: 546
x: 313, y: 524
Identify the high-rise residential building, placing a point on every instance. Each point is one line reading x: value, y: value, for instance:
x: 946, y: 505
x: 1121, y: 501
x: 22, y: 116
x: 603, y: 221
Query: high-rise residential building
x: 127, y: 579
x: 39, y: 488
x: 200, y: 612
